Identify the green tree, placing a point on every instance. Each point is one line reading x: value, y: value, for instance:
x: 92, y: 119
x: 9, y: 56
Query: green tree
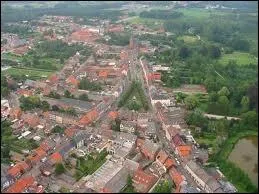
x: 164, y: 187
x: 84, y: 97
x: 214, y: 52
x: 250, y: 119
x: 245, y: 103
x: 59, y: 169
x: 191, y: 102
x: 58, y: 129
x: 224, y: 91
x: 223, y: 100
x: 67, y: 94
x: 45, y: 106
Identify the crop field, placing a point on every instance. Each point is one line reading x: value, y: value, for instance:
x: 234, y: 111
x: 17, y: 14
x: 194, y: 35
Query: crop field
x: 152, y: 23
x: 240, y: 57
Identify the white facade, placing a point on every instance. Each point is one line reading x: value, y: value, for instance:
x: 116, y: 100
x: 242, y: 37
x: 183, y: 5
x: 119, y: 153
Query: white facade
x: 165, y: 102
x: 160, y: 68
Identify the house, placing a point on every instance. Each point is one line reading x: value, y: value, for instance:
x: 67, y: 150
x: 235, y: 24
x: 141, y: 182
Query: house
x: 89, y: 117
x: 149, y: 149
x: 176, y: 141
x: 201, y: 156
x: 62, y: 118
x: 32, y: 120
x: 15, y: 113
x: 79, y: 138
x: 53, y: 79
x: 72, y: 80
x: 201, y: 177
x: 162, y: 98
x: 156, y: 76
x: 24, y: 92
x: 21, y: 185
x: 171, y: 132
x: 71, y: 131
x: 150, y: 131
x: 142, y: 181
x: 113, y: 115
x: 143, y: 119
x: 17, y: 170
x: 160, y: 68
x: 55, y: 158
x: 127, y: 126
x: 47, y: 145
x: 36, y: 156
x: 176, y: 177
x: 164, y: 160
x: 184, y: 151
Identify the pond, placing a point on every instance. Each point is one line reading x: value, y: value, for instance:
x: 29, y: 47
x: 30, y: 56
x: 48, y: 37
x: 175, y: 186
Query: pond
x: 245, y: 156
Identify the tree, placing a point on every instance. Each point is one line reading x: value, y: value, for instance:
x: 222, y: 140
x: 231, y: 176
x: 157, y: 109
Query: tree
x: 184, y: 52
x: 164, y: 187
x: 250, y: 119
x: 214, y: 52
x: 224, y: 91
x: 55, y: 108
x: 58, y: 129
x: 191, y: 102
x: 45, y: 105
x: 223, y: 100
x: 59, y: 169
x: 245, y: 103
x: 84, y: 97
x: 67, y: 94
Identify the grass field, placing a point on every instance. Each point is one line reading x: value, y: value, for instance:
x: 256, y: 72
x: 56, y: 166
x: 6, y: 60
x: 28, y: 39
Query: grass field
x: 34, y: 74
x: 11, y: 56
x: 188, y: 39
x: 152, y: 23
x: 240, y: 57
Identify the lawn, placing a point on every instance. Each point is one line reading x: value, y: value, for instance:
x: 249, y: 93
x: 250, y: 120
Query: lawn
x: 32, y: 73
x: 11, y: 56
x: 188, y: 39
x: 240, y: 57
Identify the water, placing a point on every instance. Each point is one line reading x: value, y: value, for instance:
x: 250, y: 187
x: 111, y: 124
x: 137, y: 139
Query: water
x: 245, y: 156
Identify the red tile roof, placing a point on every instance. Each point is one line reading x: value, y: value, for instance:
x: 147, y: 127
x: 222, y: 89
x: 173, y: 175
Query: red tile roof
x: 14, y: 171
x: 44, y: 145
x: 89, y: 117
x: 56, y: 157
x: 20, y: 185
x: 113, y: 114
x: 103, y: 74
x: 31, y: 119
x: 169, y: 163
x: 53, y: 78
x: 15, y: 113
x: 144, y: 180
x: 25, y: 92
x: 162, y: 156
x: 140, y: 142
x: 70, y: 131
x: 184, y: 150
x: 176, y: 176
x: 71, y: 79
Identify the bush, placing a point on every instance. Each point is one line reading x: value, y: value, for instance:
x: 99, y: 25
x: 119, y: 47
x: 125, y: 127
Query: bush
x: 59, y: 169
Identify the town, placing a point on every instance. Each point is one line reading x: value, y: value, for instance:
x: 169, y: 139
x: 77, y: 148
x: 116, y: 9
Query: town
x: 101, y: 120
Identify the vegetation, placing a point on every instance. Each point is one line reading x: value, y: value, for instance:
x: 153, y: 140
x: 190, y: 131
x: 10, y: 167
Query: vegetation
x: 11, y: 143
x: 32, y: 102
x: 58, y: 129
x: 116, y: 124
x: 135, y: 90
x: 161, y: 14
x: 84, y: 97
x: 164, y: 187
x: 129, y: 187
x: 240, y: 58
x: 54, y: 94
x: 4, y: 87
x: 59, y: 169
x: 120, y: 39
x: 85, y: 84
x: 88, y: 165
x: 20, y: 30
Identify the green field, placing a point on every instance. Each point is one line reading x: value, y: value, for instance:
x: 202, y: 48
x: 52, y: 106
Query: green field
x: 152, y: 23
x: 240, y: 57
x: 34, y: 74
x: 188, y: 39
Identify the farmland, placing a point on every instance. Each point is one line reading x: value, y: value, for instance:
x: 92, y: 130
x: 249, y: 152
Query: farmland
x: 241, y: 58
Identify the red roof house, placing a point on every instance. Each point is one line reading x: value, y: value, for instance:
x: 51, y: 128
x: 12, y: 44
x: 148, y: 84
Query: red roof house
x: 31, y: 119
x: 142, y: 181
x: 89, y: 117
x: 113, y: 115
x: 69, y: 132
x: 72, y: 80
x: 20, y: 185
x: 15, y: 113
x: 56, y: 158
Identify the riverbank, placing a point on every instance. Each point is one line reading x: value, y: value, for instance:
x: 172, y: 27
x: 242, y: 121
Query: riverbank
x: 233, y: 173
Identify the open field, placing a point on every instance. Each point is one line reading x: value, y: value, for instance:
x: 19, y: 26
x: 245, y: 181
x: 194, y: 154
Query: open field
x: 240, y: 57
x: 32, y: 73
x: 152, y: 23
x: 188, y: 39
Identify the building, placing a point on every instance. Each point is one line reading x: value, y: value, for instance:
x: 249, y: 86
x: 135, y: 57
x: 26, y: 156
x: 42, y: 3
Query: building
x: 149, y: 149
x: 127, y: 126
x: 160, y: 68
x: 15, y: 113
x: 21, y: 185
x: 89, y: 117
x: 201, y: 177
x: 143, y: 182
x: 150, y: 131
x: 162, y: 98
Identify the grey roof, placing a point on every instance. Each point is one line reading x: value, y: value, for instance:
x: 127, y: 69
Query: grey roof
x: 65, y: 149
x: 131, y: 165
x: 80, y: 135
x: 213, y: 184
x: 84, y: 105
x: 118, y: 182
x: 121, y: 137
x: 156, y: 96
x: 128, y: 123
x: 152, y: 147
x: 188, y: 189
x: 151, y: 128
x: 30, y: 83
x: 227, y: 187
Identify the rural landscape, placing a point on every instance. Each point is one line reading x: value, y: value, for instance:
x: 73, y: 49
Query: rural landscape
x: 129, y: 96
